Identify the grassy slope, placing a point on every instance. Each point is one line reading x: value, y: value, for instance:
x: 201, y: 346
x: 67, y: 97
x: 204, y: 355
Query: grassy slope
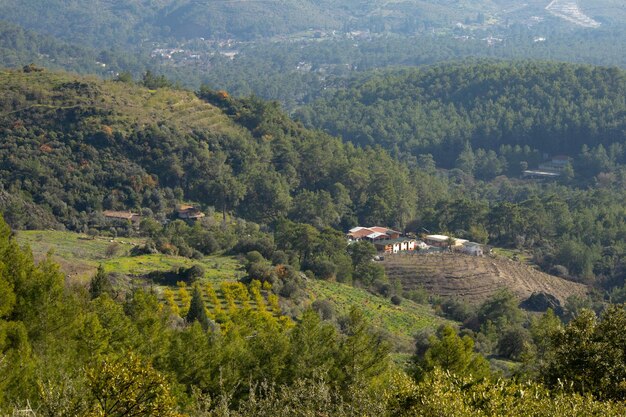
x: 79, y: 256
x: 402, y: 321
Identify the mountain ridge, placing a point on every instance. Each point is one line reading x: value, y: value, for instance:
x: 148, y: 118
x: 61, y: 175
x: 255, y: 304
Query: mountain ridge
x: 132, y: 22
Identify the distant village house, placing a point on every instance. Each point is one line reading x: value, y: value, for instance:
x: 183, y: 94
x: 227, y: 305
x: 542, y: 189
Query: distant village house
x: 397, y: 245
x: 186, y: 211
x: 384, y: 239
x: 390, y: 241
x: 460, y: 245
x: 551, y: 169
x: 472, y: 248
x: 122, y: 215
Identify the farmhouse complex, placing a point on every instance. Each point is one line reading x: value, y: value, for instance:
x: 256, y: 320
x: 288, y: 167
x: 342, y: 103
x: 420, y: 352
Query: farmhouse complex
x: 391, y: 241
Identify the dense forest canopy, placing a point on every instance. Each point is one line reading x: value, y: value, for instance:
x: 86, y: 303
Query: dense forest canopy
x: 75, y: 147
x: 553, y: 108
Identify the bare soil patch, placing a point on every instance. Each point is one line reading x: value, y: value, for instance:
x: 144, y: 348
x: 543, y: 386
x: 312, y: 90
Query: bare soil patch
x: 474, y: 279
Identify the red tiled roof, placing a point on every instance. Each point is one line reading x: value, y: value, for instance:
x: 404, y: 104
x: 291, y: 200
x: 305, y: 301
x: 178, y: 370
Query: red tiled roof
x: 380, y: 229
x: 361, y: 233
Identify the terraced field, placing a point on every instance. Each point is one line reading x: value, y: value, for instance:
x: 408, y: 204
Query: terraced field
x: 125, y: 105
x: 475, y: 278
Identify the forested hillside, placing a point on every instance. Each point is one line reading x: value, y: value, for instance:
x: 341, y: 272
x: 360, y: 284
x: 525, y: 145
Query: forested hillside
x: 487, y: 123
x: 73, y: 147
x: 552, y: 108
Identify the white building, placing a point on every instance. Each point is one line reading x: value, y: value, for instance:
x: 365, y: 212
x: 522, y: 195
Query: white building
x: 472, y: 248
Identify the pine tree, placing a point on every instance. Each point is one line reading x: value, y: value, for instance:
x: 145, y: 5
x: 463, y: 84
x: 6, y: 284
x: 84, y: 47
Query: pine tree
x: 100, y: 284
x: 453, y: 353
x: 466, y: 161
x: 197, y: 310
x: 363, y: 353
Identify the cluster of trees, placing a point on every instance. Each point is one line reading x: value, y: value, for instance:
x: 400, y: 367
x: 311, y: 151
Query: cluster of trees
x: 497, y: 328
x: 576, y: 357
x: 66, y: 350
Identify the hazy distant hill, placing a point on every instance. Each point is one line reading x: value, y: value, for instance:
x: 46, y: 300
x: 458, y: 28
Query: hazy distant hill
x: 19, y: 46
x: 101, y: 23
x: 93, y: 22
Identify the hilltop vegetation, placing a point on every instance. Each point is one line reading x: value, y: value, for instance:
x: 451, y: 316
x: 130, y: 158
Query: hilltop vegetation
x: 77, y: 146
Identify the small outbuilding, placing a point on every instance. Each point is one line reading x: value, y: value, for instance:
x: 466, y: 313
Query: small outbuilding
x: 472, y: 248
x: 122, y: 215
